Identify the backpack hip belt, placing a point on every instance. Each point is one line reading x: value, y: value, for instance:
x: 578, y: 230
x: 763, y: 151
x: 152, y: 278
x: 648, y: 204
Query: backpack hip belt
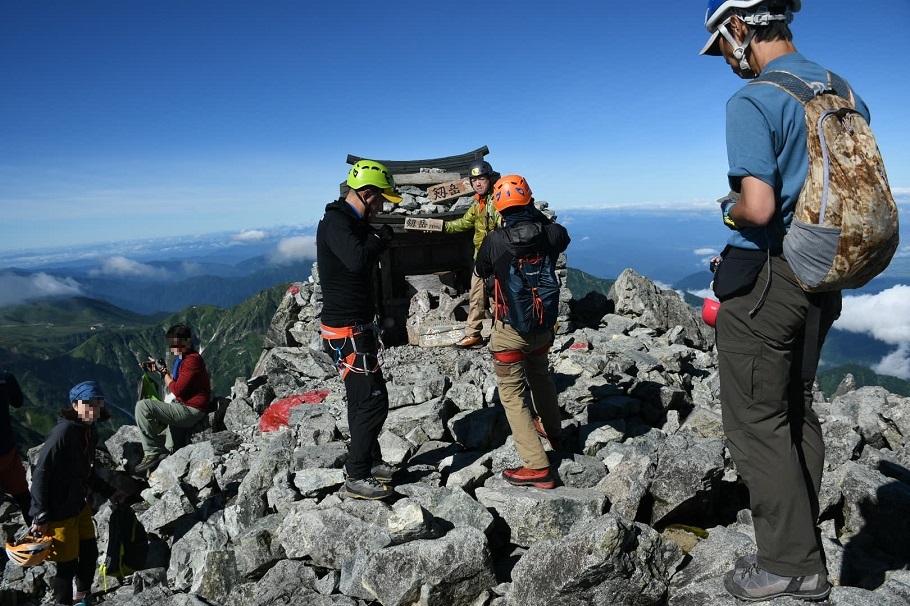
x: 513, y: 356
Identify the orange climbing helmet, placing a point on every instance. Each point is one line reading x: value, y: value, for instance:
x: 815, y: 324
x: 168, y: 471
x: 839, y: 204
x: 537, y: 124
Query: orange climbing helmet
x: 29, y: 550
x: 509, y: 191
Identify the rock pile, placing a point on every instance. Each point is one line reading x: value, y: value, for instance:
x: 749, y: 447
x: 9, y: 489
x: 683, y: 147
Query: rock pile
x: 420, y: 200
x: 650, y: 510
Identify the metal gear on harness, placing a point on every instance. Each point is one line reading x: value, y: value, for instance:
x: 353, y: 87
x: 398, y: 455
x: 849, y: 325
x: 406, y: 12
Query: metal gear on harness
x: 347, y: 363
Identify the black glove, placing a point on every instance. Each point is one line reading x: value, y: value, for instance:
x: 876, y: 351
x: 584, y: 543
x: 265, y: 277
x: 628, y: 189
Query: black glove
x: 385, y: 233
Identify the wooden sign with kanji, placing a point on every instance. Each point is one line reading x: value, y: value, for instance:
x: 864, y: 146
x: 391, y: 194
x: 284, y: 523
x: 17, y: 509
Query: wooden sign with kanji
x: 423, y: 224
x: 450, y: 189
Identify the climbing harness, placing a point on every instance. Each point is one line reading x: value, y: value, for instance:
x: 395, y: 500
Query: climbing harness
x: 347, y: 363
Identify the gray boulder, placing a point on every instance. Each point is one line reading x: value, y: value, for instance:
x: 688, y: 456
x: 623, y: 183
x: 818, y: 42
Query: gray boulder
x: 454, y: 570
x: 689, y: 469
x: 533, y: 515
x: 603, y: 561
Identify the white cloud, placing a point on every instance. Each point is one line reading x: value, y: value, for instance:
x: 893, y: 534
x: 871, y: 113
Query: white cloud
x: 248, y: 236
x: 295, y: 248
x: 701, y: 252
x: 586, y: 238
x: 896, y: 364
x: 124, y: 267
x: 704, y: 293
x: 15, y: 289
x: 884, y: 316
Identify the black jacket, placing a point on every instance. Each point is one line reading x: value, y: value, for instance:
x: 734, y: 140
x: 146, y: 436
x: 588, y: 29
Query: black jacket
x: 64, y: 476
x: 347, y: 250
x: 523, y: 239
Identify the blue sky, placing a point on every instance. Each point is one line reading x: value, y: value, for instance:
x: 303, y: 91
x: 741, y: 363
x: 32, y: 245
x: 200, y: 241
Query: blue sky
x: 125, y: 120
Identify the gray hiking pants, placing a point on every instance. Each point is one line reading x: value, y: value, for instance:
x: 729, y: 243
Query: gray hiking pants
x: 154, y: 416
x: 772, y: 432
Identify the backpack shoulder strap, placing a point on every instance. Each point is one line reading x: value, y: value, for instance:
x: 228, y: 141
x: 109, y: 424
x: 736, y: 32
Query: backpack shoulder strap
x: 801, y: 90
x: 795, y: 86
x: 841, y: 88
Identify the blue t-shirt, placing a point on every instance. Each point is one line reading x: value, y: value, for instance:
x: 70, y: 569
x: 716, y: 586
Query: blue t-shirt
x: 766, y: 139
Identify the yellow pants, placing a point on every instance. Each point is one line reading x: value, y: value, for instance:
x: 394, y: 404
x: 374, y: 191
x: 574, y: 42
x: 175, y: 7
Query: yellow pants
x: 67, y: 534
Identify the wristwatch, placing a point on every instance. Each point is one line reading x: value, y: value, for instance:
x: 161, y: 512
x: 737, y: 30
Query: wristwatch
x: 725, y: 207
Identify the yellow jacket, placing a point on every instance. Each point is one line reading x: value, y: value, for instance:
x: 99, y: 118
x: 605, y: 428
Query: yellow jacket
x: 482, y: 217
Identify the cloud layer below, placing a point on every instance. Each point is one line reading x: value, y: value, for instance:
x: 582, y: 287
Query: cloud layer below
x: 296, y: 248
x: 127, y: 268
x: 16, y: 289
x: 886, y: 317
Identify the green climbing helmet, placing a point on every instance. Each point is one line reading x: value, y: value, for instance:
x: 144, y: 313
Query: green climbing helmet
x: 371, y: 173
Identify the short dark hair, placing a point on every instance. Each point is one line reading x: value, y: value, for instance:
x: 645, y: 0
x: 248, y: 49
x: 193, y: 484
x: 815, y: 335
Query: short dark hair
x: 371, y: 189
x: 179, y: 331
x: 777, y: 30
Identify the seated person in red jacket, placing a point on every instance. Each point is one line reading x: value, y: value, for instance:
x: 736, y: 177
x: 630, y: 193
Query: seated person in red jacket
x: 189, y: 391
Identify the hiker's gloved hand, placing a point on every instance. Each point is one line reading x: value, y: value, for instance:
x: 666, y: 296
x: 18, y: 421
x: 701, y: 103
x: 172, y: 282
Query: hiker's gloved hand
x: 385, y: 233
x: 39, y: 530
x: 726, y: 203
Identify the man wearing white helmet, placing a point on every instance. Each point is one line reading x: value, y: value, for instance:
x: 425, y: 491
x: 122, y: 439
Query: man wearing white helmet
x: 767, y: 352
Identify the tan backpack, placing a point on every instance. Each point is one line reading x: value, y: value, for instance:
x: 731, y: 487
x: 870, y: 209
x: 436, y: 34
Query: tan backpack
x: 845, y: 227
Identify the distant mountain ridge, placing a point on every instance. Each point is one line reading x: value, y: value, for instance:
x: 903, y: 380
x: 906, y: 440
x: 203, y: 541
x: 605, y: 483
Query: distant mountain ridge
x: 231, y: 286
x: 52, y: 344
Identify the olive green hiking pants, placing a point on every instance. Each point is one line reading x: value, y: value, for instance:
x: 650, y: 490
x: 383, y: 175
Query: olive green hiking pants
x: 154, y: 416
x: 772, y: 432
x: 526, y: 386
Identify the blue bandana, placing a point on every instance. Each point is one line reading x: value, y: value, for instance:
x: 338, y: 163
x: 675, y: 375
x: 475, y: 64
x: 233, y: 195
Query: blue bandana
x: 86, y: 391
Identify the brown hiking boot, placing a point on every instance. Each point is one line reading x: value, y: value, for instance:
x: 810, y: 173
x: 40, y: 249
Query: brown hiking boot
x: 522, y: 476
x: 149, y: 463
x: 470, y: 342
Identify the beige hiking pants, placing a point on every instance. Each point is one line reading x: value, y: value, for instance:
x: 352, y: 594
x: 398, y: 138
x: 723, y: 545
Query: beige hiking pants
x: 526, y: 386
x: 478, y: 307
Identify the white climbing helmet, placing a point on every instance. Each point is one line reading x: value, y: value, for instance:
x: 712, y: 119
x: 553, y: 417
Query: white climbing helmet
x: 757, y: 14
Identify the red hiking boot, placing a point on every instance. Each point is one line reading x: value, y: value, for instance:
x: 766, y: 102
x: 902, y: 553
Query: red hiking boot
x: 522, y: 476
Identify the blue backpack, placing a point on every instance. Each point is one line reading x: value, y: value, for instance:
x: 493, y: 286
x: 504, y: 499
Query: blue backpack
x: 529, y: 298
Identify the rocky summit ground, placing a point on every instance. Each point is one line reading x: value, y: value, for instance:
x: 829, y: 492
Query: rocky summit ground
x: 650, y: 509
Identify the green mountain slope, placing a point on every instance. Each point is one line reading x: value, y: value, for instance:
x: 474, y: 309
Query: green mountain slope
x: 581, y: 283
x: 828, y: 380
x: 44, y: 329
x: 230, y: 341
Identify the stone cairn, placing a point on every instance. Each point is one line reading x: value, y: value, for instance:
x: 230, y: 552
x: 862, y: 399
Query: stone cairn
x: 650, y: 509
